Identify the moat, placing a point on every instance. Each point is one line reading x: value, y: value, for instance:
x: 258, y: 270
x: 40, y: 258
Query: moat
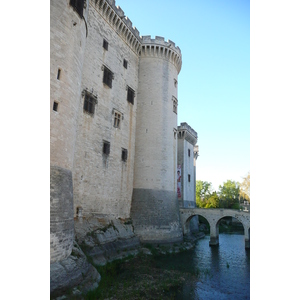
x: 223, y: 271
x: 204, y: 272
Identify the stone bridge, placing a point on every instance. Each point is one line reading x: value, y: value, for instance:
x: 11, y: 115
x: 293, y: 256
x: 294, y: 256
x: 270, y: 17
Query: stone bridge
x: 213, y: 217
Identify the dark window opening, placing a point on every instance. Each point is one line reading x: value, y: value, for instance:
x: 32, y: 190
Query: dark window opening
x: 107, y: 77
x: 78, y: 5
x: 130, y: 95
x: 189, y: 152
x: 106, y: 148
x: 55, y: 106
x: 58, y: 74
x: 89, y: 103
x: 105, y: 44
x: 189, y: 178
x: 124, y: 154
x: 125, y: 63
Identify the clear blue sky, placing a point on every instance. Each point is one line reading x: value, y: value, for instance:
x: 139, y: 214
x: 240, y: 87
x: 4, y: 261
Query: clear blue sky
x: 214, y: 82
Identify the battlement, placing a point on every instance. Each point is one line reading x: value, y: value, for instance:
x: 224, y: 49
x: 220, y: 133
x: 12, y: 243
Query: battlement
x: 115, y: 16
x: 185, y: 131
x: 158, y: 47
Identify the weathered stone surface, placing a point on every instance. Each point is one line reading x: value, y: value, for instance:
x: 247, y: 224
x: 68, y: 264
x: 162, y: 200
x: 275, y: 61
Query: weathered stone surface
x: 155, y: 216
x: 61, y: 213
x: 73, y: 271
x: 104, y: 239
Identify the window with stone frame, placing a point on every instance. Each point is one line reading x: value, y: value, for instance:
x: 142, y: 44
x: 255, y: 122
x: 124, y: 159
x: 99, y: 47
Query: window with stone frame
x: 124, y: 154
x: 117, y: 119
x: 89, y: 102
x: 107, y: 76
x: 175, y: 104
x: 130, y: 95
x: 78, y: 6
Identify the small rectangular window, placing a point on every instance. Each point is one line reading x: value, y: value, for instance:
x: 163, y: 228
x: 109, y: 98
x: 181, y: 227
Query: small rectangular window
x: 124, y: 154
x: 175, y: 104
x: 189, y: 178
x: 55, y: 106
x: 107, y: 77
x: 89, y: 103
x: 125, y: 63
x: 58, y: 74
x: 117, y: 120
x: 130, y: 95
x: 189, y: 152
x: 105, y: 44
x: 106, y: 147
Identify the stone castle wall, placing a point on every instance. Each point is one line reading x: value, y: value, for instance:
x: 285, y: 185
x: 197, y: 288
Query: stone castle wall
x: 84, y: 180
x: 67, y: 36
x: 103, y: 183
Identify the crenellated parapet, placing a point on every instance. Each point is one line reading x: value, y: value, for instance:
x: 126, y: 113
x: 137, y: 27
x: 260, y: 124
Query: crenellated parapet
x: 158, y: 47
x: 185, y: 131
x: 143, y: 46
x: 115, y: 16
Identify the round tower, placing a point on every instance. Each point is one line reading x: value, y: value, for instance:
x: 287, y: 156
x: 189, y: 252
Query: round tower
x: 68, y: 34
x: 154, y: 210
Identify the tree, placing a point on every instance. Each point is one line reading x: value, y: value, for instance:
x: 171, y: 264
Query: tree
x: 245, y: 188
x: 212, y: 201
x: 229, y: 194
x: 203, y: 192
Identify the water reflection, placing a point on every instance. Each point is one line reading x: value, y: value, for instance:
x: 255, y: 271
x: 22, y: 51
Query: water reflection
x: 223, y: 271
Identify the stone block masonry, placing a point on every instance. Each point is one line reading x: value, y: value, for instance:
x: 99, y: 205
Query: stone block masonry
x: 113, y: 125
x: 61, y: 210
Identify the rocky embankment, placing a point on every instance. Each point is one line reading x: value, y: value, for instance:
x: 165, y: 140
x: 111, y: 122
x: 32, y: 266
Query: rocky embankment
x: 99, y: 240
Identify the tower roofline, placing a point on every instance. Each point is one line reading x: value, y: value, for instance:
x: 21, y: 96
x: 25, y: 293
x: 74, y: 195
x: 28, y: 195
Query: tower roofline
x: 185, y: 131
x: 158, y: 47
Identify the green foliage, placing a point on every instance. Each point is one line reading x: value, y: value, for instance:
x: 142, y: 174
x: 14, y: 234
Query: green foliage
x: 229, y: 194
x: 203, y: 193
x: 212, y: 201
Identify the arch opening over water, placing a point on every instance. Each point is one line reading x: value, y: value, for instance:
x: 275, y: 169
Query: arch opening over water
x: 214, y: 217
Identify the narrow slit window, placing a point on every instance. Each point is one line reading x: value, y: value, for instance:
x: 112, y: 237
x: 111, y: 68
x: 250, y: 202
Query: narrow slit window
x: 105, y: 44
x: 55, y: 106
x: 58, y: 74
x: 125, y: 63
x: 189, y: 152
x: 189, y: 177
x: 124, y: 154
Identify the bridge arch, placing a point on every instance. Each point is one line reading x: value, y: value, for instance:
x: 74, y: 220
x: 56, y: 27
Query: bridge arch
x: 213, y: 217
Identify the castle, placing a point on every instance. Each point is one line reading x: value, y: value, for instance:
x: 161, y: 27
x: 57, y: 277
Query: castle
x: 116, y: 149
